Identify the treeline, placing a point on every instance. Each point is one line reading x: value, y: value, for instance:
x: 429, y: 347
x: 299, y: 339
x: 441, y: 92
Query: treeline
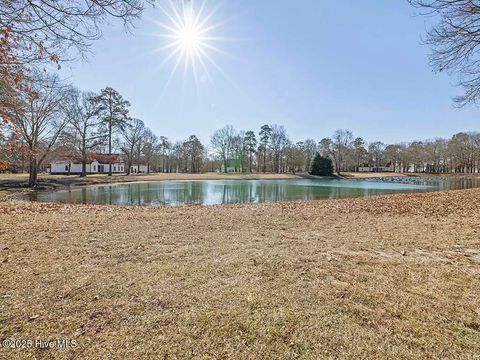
x: 59, y: 121
x: 458, y: 154
x: 272, y: 150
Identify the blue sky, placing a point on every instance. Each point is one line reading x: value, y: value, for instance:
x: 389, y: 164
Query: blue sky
x: 310, y: 65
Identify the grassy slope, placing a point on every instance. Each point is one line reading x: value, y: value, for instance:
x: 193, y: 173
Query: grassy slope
x: 392, y: 277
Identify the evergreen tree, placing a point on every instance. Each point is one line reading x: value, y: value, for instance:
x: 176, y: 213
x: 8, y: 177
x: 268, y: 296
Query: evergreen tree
x: 250, y: 144
x: 112, y: 109
x: 264, y: 134
x: 322, y: 166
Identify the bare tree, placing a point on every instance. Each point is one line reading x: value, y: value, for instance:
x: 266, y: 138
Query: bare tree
x: 359, y: 151
x: 238, y: 153
x: 194, y: 150
x: 38, y: 32
x: 455, y: 41
x: 221, y: 142
x: 341, y: 140
x: 39, y: 116
x: 165, y: 146
x: 278, y: 143
x: 376, y: 151
x: 57, y: 30
x: 150, y: 147
x: 132, y: 136
x: 310, y: 148
x: 81, y: 132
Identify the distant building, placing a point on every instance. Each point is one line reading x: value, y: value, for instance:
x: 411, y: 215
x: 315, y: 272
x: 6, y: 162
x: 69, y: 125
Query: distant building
x: 96, y: 164
x: 386, y: 168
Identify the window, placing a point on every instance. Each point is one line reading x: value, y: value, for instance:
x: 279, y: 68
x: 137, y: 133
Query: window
x: 94, y: 167
x: 66, y: 167
x: 114, y: 168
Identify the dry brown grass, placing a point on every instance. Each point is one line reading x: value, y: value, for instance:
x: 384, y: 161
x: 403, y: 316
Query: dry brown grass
x: 370, y: 175
x: 13, y: 180
x: 382, y: 277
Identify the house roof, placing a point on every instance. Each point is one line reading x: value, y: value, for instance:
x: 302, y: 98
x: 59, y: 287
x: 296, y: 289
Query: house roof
x: 101, y: 158
x: 106, y: 159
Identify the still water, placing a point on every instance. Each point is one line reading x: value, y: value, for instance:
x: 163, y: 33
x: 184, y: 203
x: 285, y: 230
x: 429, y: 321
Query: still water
x: 244, y: 191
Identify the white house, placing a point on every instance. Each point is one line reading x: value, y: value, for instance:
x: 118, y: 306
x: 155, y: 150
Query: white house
x: 96, y: 164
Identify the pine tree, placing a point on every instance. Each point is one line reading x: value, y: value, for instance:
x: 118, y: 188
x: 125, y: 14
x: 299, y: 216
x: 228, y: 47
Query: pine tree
x: 112, y: 109
x: 264, y: 134
x: 250, y: 142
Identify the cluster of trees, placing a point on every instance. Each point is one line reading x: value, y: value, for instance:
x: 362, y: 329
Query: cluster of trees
x: 271, y: 150
x: 61, y: 121
x: 460, y: 153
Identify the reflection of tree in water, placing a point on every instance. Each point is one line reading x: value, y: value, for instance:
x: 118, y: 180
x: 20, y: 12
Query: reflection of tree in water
x: 179, y: 193
x: 84, y: 196
x: 98, y: 195
x: 236, y: 192
x: 258, y: 191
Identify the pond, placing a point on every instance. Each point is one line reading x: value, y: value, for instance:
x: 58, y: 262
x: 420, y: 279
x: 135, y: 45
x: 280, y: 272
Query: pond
x: 211, y: 192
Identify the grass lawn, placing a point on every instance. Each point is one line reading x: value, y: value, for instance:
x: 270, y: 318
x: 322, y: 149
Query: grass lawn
x: 383, y: 277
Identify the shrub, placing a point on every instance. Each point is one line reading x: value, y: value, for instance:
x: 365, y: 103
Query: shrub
x: 321, y: 166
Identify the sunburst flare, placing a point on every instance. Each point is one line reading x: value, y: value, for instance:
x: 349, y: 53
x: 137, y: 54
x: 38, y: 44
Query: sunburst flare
x: 189, y: 39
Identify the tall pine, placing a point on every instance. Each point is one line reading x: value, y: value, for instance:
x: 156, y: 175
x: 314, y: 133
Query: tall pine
x: 250, y: 142
x: 112, y: 110
x: 264, y: 134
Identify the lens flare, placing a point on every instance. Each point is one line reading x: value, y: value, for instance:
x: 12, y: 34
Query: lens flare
x: 188, y: 38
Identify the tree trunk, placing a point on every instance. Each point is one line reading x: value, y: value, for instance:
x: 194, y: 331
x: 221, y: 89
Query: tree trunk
x: 110, y: 146
x: 32, y: 179
x: 84, y: 155
x: 84, y: 168
x: 264, y: 161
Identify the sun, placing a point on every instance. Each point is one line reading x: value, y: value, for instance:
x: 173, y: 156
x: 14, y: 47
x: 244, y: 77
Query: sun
x: 188, y: 39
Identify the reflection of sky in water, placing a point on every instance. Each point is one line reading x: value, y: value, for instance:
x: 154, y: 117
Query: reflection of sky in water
x: 242, y: 191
